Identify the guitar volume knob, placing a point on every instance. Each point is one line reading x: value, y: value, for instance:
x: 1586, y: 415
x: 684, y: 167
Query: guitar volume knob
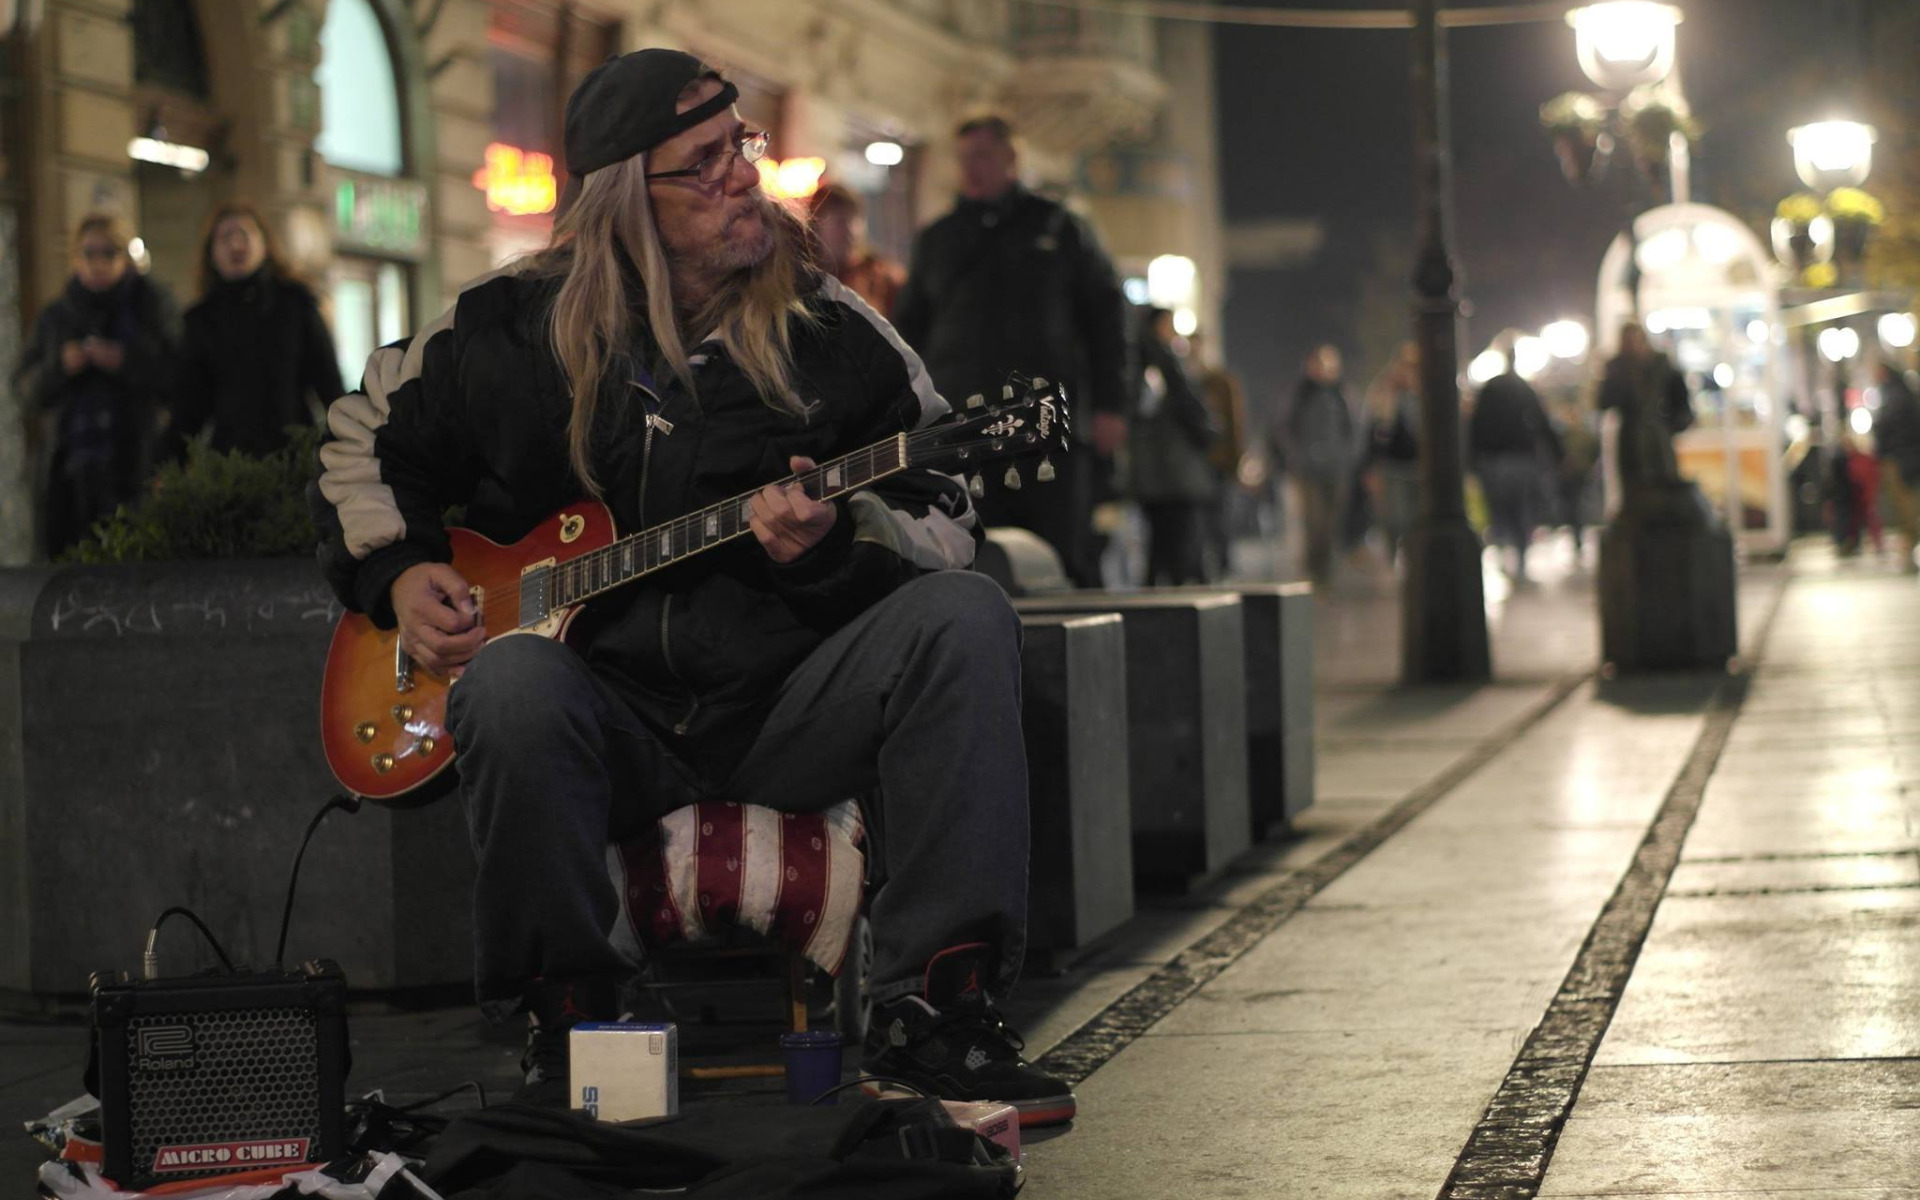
x: 382, y: 763
x: 365, y: 731
x: 403, y: 713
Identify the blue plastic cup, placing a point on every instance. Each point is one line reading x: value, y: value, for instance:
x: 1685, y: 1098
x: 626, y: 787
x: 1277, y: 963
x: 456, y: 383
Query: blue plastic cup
x: 813, y: 1065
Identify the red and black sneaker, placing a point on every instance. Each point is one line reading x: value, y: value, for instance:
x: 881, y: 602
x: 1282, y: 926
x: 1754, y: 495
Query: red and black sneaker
x: 554, y: 1007
x: 950, y: 1042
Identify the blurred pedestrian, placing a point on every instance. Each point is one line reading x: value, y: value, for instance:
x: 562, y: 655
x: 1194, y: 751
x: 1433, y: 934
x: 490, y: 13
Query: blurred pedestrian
x: 1896, y: 435
x: 840, y: 225
x: 1580, y: 451
x: 1654, y: 405
x: 1168, y: 457
x: 95, y: 372
x: 1512, y: 447
x: 1393, y: 446
x: 1226, y: 405
x: 1315, y: 438
x: 256, y: 357
x: 1010, y: 281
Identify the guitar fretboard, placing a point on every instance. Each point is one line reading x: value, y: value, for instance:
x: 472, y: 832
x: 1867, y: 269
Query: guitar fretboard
x: 661, y: 545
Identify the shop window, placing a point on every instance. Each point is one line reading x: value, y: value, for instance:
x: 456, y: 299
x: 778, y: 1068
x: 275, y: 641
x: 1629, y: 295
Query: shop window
x: 369, y: 310
x: 359, y: 92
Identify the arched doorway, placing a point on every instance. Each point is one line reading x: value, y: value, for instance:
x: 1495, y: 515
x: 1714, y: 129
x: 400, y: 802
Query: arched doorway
x: 371, y: 143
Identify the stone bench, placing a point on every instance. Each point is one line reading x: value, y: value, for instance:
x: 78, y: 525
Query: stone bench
x: 1279, y: 668
x: 158, y: 746
x: 1186, y: 727
x: 1073, y: 675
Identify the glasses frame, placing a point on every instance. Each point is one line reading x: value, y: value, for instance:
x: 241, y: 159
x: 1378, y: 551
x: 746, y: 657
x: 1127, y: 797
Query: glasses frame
x: 750, y: 145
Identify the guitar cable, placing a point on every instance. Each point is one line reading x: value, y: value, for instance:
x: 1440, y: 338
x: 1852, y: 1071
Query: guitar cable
x: 150, y: 957
x: 341, y: 800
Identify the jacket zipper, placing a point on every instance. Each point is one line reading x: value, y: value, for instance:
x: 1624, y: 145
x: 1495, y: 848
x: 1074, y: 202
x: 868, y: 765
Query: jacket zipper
x: 666, y: 656
x: 666, y: 602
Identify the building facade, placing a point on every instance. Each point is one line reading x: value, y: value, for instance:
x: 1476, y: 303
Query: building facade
x: 402, y: 147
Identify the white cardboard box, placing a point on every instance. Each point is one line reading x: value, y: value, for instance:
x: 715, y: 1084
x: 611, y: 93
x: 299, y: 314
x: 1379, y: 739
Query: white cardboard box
x: 625, y: 1072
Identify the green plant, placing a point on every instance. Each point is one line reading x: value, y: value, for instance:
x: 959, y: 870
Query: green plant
x: 1573, y: 112
x: 1800, y: 208
x: 1852, y: 204
x: 1652, y: 122
x: 218, y: 504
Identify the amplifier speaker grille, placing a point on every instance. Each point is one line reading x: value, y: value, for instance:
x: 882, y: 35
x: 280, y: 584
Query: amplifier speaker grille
x: 252, y: 1077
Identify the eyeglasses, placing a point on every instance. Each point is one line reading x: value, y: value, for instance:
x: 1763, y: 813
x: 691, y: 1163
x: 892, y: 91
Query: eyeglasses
x: 750, y: 145
x: 100, y: 253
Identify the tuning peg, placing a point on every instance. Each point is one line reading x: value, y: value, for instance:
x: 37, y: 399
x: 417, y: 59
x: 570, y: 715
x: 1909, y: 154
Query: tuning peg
x: 976, y: 401
x: 1039, y: 383
x: 1044, y: 472
x: 1006, y: 392
x: 1012, y: 480
x: 976, y: 486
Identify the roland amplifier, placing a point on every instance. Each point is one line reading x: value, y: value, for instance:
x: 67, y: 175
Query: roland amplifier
x: 213, y: 1074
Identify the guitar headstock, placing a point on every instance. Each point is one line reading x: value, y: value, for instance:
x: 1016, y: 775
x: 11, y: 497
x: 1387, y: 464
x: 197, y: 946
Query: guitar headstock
x: 1031, y: 420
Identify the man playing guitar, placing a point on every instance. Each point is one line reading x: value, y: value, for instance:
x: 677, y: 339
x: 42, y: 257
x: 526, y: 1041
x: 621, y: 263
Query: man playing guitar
x: 671, y: 348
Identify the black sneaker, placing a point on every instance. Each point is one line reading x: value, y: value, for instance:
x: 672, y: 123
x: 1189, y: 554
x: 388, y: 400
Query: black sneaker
x: 951, y: 1043
x: 554, y: 1007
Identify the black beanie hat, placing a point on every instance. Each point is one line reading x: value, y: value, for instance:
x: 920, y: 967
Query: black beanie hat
x: 626, y: 105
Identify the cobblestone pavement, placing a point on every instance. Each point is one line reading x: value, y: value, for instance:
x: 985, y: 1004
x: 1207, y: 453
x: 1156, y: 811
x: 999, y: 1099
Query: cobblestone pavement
x: 1465, y: 843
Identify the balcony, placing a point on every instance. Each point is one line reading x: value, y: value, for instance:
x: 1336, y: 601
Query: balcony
x: 1082, y: 79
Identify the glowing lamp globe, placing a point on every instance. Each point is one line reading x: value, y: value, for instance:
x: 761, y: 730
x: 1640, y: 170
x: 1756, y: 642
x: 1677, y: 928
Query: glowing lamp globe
x: 1831, y: 154
x: 1623, y: 44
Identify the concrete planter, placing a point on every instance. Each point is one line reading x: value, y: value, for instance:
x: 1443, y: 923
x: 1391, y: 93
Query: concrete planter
x: 158, y: 746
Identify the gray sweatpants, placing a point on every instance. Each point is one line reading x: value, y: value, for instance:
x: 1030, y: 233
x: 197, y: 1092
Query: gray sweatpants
x: 919, y: 696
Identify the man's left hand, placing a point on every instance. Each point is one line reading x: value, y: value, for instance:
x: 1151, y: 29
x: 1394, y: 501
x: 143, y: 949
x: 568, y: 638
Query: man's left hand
x: 787, y: 521
x: 1109, y: 431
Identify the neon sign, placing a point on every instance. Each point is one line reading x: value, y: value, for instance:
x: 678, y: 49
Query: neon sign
x: 516, y: 181
x: 791, y: 179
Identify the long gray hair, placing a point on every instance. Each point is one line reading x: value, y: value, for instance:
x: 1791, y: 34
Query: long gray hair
x: 593, y: 315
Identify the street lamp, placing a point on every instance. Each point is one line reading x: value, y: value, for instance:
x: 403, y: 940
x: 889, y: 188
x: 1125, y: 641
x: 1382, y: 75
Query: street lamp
x: 1623, y: 44
x: 1565, y: 339
x: 1830, y: 154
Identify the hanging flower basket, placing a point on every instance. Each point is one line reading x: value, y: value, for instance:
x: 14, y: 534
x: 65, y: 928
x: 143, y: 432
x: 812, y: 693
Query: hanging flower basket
x: 1651, y: 121
x: 1575, y: 121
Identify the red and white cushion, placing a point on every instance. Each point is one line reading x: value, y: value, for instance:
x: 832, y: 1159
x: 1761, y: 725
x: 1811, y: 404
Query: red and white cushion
x: 795, y: 877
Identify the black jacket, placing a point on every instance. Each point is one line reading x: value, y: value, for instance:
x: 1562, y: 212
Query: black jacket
x: 254, y: 359
x: 1019, y: 283
x: 473, y: 411
x: 98, y: 422
x: 1507, y: 419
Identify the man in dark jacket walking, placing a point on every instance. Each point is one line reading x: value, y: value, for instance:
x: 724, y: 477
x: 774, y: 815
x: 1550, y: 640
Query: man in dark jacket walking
x: 1510, y: 444
x: 670, y: 351
x: 1007, y: 281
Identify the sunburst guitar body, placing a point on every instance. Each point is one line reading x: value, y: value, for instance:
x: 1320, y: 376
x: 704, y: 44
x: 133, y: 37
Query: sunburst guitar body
x: 383, y: 718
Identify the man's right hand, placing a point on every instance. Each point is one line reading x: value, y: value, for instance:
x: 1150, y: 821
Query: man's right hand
x: 440, y: 626
x: 73, y: 358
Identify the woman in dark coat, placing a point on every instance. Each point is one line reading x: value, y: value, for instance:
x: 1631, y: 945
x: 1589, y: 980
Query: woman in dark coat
x: 257, y: 356
x: 95, y: 373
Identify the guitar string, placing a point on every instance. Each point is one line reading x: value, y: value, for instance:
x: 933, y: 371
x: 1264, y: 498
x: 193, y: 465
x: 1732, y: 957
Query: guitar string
x: 915, y: 440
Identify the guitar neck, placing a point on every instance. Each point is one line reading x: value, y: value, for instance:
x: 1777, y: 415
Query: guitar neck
x: 669, y: 542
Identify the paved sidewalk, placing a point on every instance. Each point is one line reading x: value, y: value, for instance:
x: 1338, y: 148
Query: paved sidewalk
x: 1766, y: 1039
x: 1769, y: 1041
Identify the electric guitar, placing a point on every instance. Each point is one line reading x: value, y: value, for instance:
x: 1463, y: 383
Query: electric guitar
x: 383, y: 717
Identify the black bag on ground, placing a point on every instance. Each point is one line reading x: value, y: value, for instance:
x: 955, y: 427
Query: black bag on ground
x: 896, y: 1149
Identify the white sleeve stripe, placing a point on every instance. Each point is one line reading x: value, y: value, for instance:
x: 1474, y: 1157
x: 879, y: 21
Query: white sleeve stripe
x: 370, y: 516
x: 932, y: 407
x: 935, y: 542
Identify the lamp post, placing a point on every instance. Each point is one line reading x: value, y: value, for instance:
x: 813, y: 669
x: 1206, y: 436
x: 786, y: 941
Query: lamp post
x: 1666, y: 569
x: 1443, y: 614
